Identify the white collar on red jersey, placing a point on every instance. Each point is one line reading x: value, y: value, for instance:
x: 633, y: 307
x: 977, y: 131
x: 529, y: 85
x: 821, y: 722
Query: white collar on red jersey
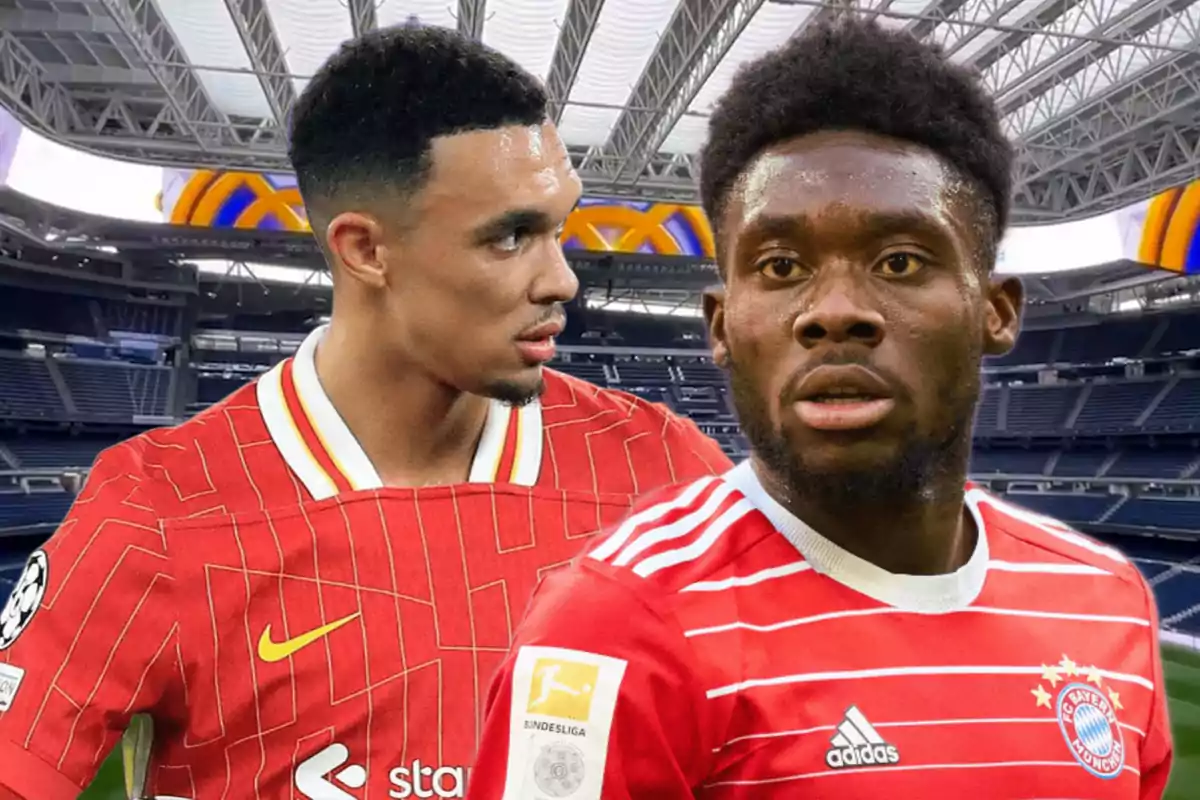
x: 925, y: 594
x: 318, y: 446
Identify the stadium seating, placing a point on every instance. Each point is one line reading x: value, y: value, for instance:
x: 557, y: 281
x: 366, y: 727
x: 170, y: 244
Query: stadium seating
x: 107, y: 390
x: 46, y: 452
x: 1060, y: 448
x: 20, y: 509
x: 27, y: 390
x: 1115, y: 406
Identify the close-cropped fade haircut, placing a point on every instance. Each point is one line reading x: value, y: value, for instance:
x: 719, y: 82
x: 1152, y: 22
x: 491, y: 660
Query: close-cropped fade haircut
x: 369, y: 116
x: 852, y: 74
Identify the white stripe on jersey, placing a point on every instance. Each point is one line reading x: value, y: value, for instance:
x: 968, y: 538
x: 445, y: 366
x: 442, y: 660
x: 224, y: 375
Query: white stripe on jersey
x: 648, y: 515
x: 768, y: 574
x: 700, y: 545
x: 684, y: 526
x: 784, y: 570
x: 905, y: 768
x: 892, y: 672
x: 1049, y: 525
x: 882, y: 610
x: 1048, y: 568
x: 916, y: 723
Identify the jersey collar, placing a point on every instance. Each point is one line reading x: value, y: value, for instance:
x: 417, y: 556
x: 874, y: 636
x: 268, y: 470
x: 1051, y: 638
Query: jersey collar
x: 926, y: 594
x: 318, y: 446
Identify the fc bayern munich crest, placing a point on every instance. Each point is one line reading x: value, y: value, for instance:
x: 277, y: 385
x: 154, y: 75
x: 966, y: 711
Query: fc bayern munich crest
x: 1089, y: 724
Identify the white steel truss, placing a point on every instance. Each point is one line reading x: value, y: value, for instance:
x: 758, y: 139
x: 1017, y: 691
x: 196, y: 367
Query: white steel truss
x: 1101, y: 97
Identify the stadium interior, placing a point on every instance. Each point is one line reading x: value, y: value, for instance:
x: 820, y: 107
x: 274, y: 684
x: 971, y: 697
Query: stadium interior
x: 110, y: 326
x: 1093, y: 419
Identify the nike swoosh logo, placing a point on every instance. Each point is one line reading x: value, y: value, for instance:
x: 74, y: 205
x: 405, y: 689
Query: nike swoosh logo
x: 271, y: 652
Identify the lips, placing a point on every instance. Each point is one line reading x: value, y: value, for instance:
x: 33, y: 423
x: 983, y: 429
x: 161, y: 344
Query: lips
x: 842, y: 398
x: 547, y: 330
x: 842, y: 384
x: 536, y: 345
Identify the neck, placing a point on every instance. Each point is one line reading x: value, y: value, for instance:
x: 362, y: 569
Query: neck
x: 926, y: 531
x: 415, y: 431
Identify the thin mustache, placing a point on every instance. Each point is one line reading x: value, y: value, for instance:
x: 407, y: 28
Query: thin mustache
x: 556, y: 313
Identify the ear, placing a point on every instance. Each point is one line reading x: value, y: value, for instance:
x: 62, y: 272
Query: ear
x: 1005, y: 300
x: 714, y: 317
x: 355, y: 240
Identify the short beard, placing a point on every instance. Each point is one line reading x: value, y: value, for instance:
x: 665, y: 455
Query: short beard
x: 515, y: 394
x: 916, y: 472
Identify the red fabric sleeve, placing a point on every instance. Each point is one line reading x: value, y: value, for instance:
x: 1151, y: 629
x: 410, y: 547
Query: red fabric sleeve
x: 599, y: 698
x: 98, y: 645
x: 693, y: 455
x: 1156, y: 754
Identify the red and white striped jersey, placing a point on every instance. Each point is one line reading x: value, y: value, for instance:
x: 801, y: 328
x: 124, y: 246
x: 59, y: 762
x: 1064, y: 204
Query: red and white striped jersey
x: 293, y: 628
x: 713, y: 645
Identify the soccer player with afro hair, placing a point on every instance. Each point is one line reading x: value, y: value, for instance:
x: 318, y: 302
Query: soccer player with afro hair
x: 842, y: 615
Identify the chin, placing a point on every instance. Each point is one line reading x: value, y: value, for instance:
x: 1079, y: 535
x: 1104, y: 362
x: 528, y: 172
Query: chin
x: 517, y: 390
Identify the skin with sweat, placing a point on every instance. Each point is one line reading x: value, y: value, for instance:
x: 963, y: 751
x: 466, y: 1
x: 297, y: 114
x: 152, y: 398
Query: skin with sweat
x: 446, y: 297
x: 855, y: 311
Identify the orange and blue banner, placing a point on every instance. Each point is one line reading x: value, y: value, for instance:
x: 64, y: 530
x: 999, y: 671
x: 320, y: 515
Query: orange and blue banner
x: 252, y: 201
x: 1171, y: 231
x: 1163, y: 232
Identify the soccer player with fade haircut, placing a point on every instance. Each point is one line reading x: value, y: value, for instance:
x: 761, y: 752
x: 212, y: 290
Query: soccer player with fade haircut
x: 842, y: 615
x: 306, y: 588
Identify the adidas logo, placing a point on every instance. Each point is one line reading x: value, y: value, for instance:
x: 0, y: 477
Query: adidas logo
x: 858, y: 744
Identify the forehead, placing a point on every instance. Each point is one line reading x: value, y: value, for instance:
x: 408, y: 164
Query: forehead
x: 482, y: 173
x: 848, y: 176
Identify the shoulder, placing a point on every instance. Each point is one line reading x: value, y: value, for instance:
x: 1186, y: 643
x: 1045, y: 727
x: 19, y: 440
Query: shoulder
x: 680, y: 536
x: 569, y: 395
x: 165, y: 465
x: 570, y: 400
x: 1054, y: 538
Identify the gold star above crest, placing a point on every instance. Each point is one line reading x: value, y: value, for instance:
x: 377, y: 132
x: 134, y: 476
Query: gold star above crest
x: 1094, y: 676
x: 1069, y: 666
x: 1051, y: 675
x: 1114, y: 697
x: 1043, y: 697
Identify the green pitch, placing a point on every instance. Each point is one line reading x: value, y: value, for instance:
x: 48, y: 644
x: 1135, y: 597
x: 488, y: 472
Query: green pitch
x: 1183, y: 687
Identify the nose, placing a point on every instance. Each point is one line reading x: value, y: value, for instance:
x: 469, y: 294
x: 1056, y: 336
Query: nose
x: 556, y: 281
x: 839, y: 316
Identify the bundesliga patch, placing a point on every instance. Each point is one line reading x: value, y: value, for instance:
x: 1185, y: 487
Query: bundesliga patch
x: 562, y: 711
x: 1086, y: 712
x: 25, y: 599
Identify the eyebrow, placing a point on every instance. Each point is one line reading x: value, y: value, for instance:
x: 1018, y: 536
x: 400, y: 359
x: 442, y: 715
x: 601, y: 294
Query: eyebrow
x: 877, y: 225
x: 513, y: 220
x: 531, y: 219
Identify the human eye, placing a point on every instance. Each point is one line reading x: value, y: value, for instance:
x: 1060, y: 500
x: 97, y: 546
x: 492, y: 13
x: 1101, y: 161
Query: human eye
x: 780, y: 268
x: 511, y: 242
x: 900, y: 265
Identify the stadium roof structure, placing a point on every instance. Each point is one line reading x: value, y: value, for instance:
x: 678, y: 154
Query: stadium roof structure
x: 1102, y: 97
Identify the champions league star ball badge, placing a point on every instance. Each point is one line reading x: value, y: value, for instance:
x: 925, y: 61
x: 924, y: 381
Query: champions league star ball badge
x: 25, y: 599
x: 558, y: 770
x: 1086, y: 712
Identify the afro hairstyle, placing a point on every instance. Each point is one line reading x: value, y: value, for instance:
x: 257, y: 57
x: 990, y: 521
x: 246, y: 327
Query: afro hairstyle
x: 852, y: 74
x: 370, y: 114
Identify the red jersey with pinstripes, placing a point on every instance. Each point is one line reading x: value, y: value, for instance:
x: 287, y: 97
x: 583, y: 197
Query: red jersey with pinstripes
x: 727, y: 664
x: 293, y: 628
